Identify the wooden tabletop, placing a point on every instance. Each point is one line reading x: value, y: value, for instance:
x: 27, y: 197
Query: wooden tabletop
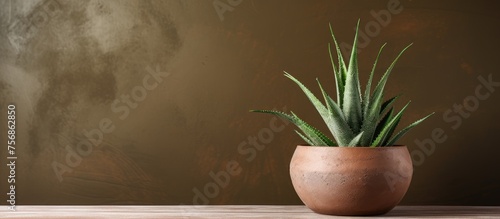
x: 235, y: 211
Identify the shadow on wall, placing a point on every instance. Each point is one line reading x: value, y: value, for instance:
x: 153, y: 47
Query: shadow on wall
x: 74, y: 67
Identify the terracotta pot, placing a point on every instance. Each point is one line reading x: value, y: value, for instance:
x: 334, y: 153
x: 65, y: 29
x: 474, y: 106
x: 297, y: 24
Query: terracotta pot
x: 351, y: 180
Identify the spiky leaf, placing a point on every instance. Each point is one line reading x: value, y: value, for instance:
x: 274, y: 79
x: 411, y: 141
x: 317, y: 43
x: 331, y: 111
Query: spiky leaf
x: 355, y: 141
x: 315, y: 136
x: 335, y: 110
x: 372, y: 115
x: 369, y: 121
x: 339, y: 81
x: 337, y: 126
x: 388, y: 103
x: 352, y: 93
x: 340, y: 74
x: 405, y: 130
x: 366, y: 98
x: 306, y: 139
x: 383, y: 122
x: 354, y: 120
x: 389, y: 128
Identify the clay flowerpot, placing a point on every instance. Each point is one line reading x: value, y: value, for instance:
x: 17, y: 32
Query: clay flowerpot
x: 351, y: 180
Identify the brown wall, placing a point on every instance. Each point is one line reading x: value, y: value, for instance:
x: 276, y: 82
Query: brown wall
x: 69, y: 66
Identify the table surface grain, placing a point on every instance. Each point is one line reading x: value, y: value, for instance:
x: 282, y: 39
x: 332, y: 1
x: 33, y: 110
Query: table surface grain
x: 235, y: 211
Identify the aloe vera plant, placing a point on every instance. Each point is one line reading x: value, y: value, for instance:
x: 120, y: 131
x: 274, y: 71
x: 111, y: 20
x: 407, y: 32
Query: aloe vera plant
x: 355, y: 119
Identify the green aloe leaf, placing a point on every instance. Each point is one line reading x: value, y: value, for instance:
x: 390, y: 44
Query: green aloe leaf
x: 332, y: 118
x: 325, y: 141
x: 389, y: 128
x: 341, y: 72
x: 390, y: 132
x: 388, y: 103
x: 383, y: 122
x: 355, y: 118
x: 355, y: 141
x: 314, y: 135
x: 352, y: 93
x: 307, y: 140
x: 372, y: 113
x: 366, y: 98
x: 339, y: 79
x: 369, y: 122
x: 405, y: 130
x: 379, y: 89
x: 335, y: 110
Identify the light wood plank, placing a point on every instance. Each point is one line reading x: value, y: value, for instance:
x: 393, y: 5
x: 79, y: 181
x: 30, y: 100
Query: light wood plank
x: 235, y: 211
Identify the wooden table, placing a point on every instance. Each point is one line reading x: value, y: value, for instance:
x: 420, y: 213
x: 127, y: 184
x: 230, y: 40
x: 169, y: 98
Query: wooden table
x: 235, y: 211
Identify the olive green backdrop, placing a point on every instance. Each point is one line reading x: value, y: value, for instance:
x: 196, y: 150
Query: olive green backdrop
x: 146, y: 102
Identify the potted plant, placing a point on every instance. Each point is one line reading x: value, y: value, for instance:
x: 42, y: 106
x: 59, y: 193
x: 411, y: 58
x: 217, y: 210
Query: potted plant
x: 361, y: 170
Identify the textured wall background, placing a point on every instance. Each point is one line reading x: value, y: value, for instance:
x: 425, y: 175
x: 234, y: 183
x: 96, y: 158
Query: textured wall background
x: 163, y: 89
